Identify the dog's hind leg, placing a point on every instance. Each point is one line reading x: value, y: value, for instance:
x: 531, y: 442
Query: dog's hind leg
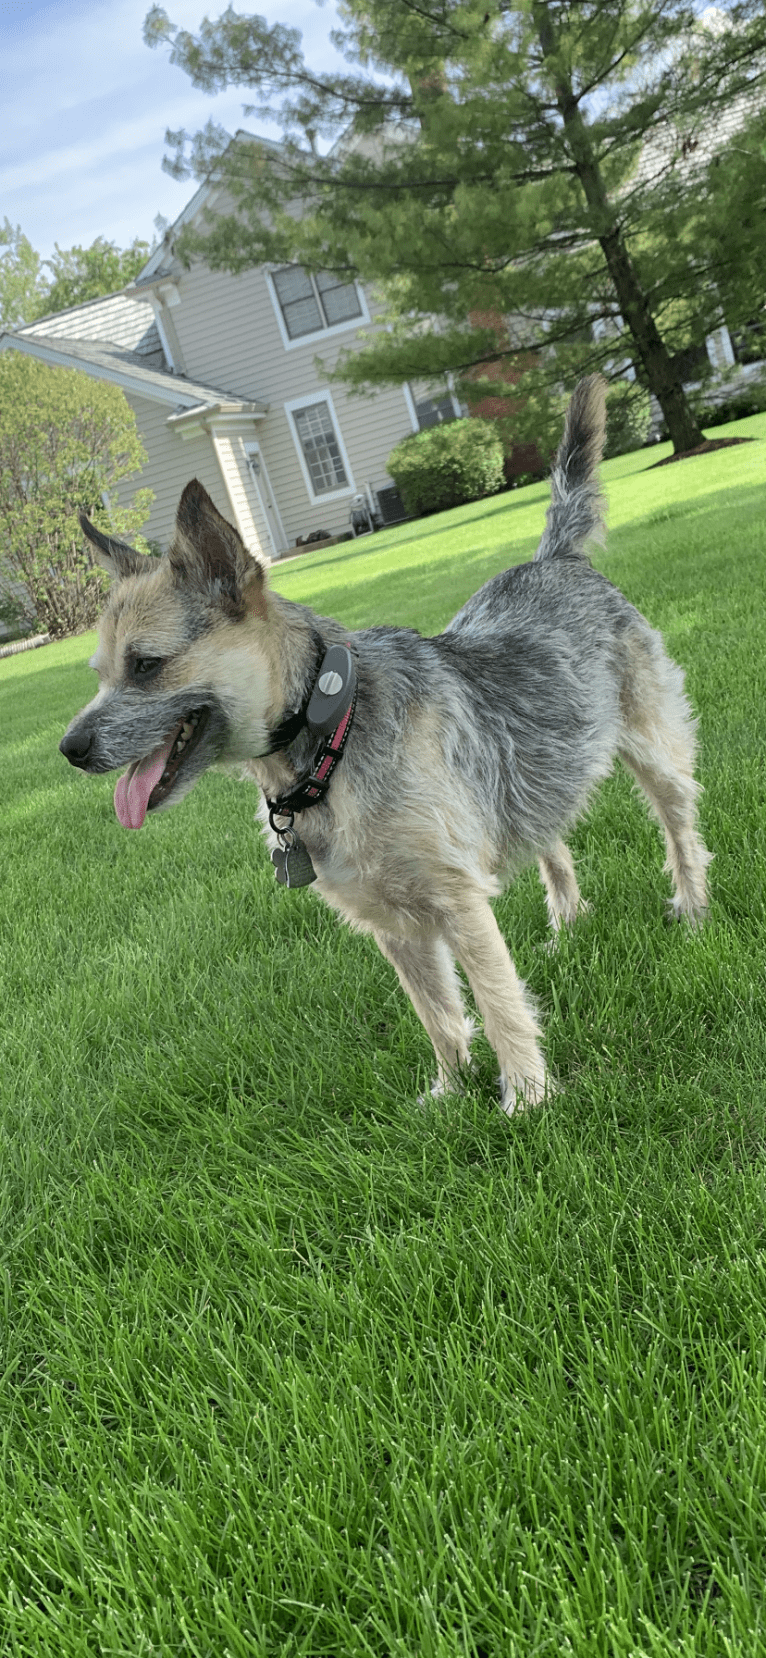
x: 509, y: 1022
x: 426, y: 971
x: 658, y: 747
x: 561, y: 889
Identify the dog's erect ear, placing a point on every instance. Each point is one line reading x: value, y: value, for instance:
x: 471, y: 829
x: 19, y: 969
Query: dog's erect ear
x: 116, y: 557
x: 208, y: 552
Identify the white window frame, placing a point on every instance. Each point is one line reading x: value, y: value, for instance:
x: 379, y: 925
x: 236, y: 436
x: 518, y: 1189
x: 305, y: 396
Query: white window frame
x: 321, y: 395
x: 411, y: 410
x: 318, y: 333
x: 409, y: 398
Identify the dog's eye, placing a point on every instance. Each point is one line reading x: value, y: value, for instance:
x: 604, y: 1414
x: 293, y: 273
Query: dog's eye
x: 145, y: 667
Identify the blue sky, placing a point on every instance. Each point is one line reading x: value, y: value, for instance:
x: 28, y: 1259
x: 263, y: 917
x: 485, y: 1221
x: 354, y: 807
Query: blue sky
x: 84, y: 106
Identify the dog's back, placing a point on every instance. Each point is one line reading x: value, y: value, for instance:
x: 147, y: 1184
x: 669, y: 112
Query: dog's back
x: 543, y: 650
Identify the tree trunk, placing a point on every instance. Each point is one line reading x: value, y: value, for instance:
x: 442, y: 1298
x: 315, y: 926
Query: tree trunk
x: 661, y: 374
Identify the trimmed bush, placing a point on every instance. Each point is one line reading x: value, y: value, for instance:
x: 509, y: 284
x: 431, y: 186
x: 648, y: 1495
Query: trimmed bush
x: 447, y: 465
x: 628, y: 418
x: 734, y: 396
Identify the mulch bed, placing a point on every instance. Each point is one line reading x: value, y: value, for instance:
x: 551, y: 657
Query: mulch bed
x: 705, y: 448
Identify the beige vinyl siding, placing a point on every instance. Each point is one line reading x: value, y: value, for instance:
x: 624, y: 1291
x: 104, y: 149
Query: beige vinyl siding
x: 171, y: 464
x: 230, y: 337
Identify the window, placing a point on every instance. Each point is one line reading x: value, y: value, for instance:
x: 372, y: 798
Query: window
x: 310, y: 304
x: 320, y: 447
x: 749, y: 343
x: 433, y: 412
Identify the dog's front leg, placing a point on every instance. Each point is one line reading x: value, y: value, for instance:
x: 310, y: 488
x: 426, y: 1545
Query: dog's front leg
x: 509, y: 1023
x: 426, y: 971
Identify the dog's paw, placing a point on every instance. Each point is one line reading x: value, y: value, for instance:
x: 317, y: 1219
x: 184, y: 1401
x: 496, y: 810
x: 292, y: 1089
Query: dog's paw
x: 438, y: 1090
x: 563, y: 926
x: 690, y: 914
x: 517, y: 1092
x: 449, y: 1086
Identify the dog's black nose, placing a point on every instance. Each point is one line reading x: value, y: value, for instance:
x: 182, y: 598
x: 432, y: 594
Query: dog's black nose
x: 76, y: 745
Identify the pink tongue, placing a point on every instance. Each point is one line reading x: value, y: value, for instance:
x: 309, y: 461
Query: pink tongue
x: 131, y: 796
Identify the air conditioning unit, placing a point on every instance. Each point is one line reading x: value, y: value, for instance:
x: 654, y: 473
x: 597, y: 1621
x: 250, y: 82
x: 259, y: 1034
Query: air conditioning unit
x: 391, y: 506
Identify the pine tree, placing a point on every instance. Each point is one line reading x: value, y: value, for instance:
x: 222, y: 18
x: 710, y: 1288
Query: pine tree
x: 509, y: 175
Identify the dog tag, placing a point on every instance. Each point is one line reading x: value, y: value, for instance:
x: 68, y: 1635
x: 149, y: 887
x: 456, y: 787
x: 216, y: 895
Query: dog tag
x: 292, y: 864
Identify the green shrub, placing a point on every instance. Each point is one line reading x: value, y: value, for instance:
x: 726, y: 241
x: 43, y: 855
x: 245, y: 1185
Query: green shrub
x: 14, y: 621
x: 628, y: 418
x: 447, y: 465
x: 736, y: 395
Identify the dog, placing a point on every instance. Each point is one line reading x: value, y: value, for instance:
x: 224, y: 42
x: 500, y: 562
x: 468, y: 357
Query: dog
x: 431, y: 769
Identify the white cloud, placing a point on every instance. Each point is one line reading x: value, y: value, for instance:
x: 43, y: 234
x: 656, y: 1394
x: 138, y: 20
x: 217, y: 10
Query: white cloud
x: 86, y: 106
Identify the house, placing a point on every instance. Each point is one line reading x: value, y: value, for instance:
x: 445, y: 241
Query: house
x: 220, y: 372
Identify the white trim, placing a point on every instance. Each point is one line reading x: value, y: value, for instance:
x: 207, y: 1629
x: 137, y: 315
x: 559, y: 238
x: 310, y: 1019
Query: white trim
x: 156, y: 260
x: 201, y: 196
x: 223, y: 447
x: 321, y: 395
x: 727, y: 349
x: 164, y: 341
x: 410, y: 402
x: 318, y: 333
x: 258, y: 479
x: 456, y: 405
x: 202, y: 416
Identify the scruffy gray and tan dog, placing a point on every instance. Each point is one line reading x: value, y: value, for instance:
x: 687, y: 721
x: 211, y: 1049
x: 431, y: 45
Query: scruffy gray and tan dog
x: 409, y: 777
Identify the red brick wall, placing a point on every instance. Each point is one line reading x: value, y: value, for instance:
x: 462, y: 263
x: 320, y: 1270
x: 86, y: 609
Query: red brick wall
x: 522, y: 457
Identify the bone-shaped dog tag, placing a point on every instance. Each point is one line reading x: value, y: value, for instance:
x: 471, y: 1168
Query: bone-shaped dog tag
x: 292, y: 864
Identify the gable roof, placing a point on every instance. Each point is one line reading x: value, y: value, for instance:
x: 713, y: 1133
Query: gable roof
x: 159, y: 265
x: 117, y: 318
x: 116, y: 338
x: 128, y: 369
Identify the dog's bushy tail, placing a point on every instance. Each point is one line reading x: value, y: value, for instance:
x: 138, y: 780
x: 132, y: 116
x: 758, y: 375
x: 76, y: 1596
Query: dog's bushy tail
x: 576, y: 512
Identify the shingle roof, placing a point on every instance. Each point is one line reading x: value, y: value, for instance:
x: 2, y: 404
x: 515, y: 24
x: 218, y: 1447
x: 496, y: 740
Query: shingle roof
x: 118, y: 364
x: 117, y: 318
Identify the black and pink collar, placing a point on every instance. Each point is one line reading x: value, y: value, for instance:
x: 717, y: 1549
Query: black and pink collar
x: 327, y: 712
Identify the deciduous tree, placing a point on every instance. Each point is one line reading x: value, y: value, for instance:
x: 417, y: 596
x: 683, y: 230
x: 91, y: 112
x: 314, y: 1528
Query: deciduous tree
x: 22, y: 284
x: 33, y: 287
x: 81, y: 273
x: 66, y: 442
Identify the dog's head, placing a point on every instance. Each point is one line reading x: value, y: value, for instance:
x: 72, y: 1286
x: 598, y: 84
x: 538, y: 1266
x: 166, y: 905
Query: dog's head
x: 182, y: 662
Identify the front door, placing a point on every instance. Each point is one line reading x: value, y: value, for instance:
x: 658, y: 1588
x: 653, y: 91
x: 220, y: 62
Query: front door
x: 269, y: 510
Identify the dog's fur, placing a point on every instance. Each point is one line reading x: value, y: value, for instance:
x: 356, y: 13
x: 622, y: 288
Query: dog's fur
x: 469, y: 753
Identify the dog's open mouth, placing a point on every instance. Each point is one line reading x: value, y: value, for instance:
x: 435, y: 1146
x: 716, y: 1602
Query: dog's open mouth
x: 148, y: 782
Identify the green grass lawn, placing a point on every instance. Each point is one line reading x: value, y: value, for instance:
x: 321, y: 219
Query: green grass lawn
x: 292, y: 1365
